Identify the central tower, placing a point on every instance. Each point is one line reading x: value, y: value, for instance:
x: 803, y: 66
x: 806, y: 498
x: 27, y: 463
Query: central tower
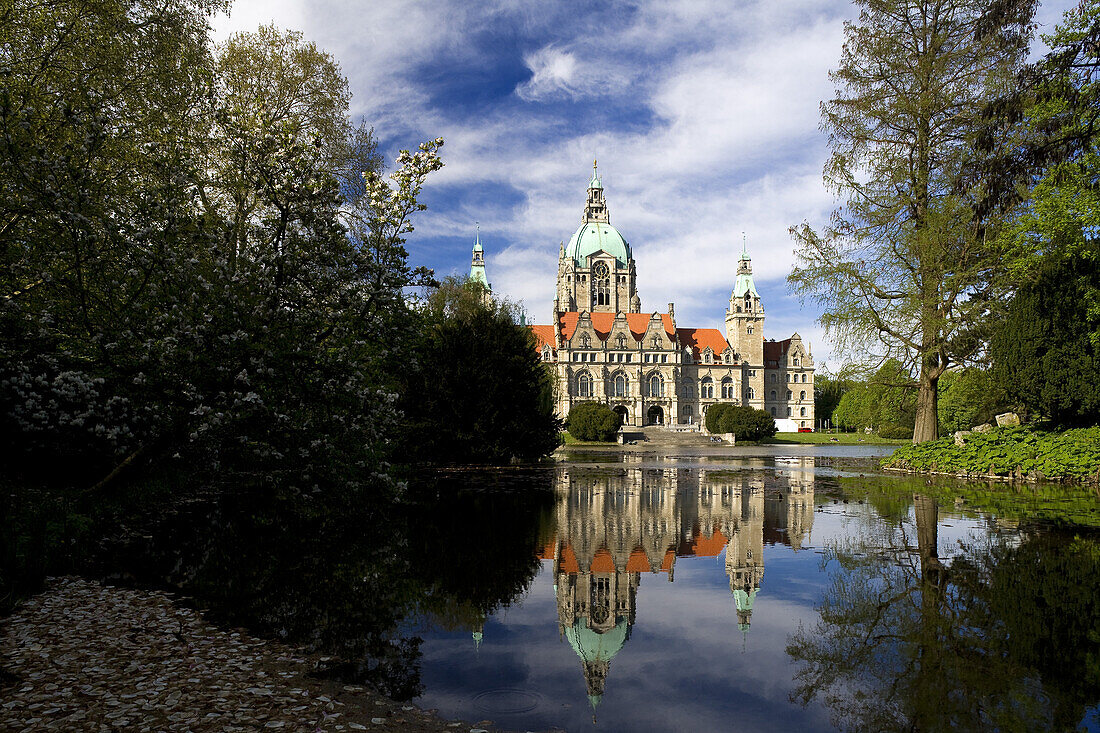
x: 596, y: 270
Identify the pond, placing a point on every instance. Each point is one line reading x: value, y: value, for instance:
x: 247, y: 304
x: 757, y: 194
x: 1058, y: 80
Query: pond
x: 764, y: 589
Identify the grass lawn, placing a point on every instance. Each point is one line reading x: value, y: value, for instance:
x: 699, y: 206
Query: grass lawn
x: 827, y: 439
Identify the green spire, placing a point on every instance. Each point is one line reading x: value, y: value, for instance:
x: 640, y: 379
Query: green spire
x: 477, y: 262
x: 595, y: 182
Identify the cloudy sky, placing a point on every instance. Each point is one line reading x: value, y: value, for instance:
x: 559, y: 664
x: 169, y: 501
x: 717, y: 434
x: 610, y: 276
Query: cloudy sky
x: 703, y: 115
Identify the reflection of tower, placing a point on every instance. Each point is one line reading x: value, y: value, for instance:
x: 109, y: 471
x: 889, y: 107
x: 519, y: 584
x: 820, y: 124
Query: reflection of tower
x: 745, y: 554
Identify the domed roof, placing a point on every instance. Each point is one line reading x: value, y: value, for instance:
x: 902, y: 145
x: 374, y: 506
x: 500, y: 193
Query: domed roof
x: 593, y: 236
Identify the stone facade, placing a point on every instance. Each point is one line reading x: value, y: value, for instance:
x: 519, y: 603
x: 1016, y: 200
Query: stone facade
x: 604, y: 347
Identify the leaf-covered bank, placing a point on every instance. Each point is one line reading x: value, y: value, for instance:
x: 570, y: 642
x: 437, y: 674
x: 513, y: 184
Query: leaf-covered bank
x: 1009, y: 452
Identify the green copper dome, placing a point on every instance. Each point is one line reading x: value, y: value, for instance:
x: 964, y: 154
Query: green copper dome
x: 593, y: 236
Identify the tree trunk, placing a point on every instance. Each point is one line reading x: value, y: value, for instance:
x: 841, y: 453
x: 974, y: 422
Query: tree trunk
x: 927, y: 423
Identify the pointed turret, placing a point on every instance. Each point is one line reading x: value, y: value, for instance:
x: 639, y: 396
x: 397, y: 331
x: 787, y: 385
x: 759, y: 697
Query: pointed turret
x: 477, y: 262
x: 595, y: 209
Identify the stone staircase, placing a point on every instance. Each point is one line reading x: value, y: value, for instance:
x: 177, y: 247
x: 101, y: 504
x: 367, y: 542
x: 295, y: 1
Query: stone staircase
x: 659, y: 436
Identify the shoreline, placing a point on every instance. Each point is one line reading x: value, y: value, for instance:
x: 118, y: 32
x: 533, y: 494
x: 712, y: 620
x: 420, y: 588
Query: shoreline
x: 82, y: 655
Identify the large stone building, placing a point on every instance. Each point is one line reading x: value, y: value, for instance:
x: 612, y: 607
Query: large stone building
x: 647, y: 368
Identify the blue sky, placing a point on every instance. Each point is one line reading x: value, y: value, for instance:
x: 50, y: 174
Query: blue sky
x: 704, y: 116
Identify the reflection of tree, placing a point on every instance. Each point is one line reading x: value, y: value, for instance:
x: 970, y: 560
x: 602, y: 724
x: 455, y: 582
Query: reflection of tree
x: 342, y: 580
x: 905, y: 642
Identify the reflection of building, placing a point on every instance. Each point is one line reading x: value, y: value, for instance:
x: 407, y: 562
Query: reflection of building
x: 603, y: 347
x: 614, y: 526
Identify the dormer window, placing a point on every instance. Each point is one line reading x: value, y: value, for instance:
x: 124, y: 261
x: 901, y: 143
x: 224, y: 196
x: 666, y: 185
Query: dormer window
x: 585, y: 341
x: 621, y: 341
x: 749, y: 330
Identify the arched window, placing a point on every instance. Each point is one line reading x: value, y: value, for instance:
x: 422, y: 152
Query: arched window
x: 802, y: 412
x: 656, y: 386
x: 706, y: 388
x: 790, y: 395
x: 773, y: 376
x: 601, y: 284
x: 619, y: 385
x: 796, y: 361
x: 656, y: 342
x: 546, y: 353
x: 773, y: 394
x: 803, y: 377
x: 707, y: 356
x: 585, y: 341
x: 801, y: 395
x: 621, y: 341
x: 788, y: 412
x: 750, y: 394
x: 584, y: 385
x: 727, y: 389
x: 749, y: 330
x: 687, y: 389
x: 773, y: 412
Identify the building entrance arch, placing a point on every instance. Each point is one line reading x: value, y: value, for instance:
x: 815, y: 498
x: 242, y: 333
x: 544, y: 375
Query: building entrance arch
x: 623, y: 413
x: 655, y: 416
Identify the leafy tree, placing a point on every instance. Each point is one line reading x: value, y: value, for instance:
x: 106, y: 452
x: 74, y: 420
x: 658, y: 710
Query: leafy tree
x: 135, y: 329
x: 829, y: 389
x: 905, y: 269
x: 1044, y: 355
x: 967, y: 398
x: 592, y: 421
x: 885, y: 399
x: 747, y: 424
x: 715, y: 415
x: 479, y: 392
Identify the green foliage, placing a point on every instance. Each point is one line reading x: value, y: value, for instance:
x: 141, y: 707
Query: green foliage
x: 592, y: 421
x: 715, y: 416
x: 967, y: 398
x: 1073, y: 454
x: 479, y: 392
x: 744, y: 422
x: 828, y: 391
x: 1044, y: 354
x: 885, y: 399
x: 178, y: 287
x: 895, y: 432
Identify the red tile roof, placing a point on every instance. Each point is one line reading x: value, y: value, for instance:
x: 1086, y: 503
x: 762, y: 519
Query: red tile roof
x: 701, y: 338
x: 774, y: 350
x: 602, y: 323
x: 544, y: 335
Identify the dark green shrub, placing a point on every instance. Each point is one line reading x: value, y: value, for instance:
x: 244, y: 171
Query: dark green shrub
x: 895, y: 432
x: 715, y: 415
x: 745, y: 422
x: 592, y: 421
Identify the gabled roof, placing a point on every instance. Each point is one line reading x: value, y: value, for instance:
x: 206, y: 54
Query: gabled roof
x: 544, y: 335
x: 603, y: 322
x: 774, y: 350
x: 700, y: 338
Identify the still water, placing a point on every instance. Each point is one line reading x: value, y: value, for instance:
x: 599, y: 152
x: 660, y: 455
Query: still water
x: 718, y: 592
x: 780, y: 588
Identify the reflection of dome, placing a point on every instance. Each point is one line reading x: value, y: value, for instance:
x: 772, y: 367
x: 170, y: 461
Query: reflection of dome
x: 593, y: 236
x: 596, y: 650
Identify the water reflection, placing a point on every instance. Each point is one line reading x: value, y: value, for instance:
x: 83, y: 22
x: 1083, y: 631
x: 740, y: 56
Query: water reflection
x: 614, y: 525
